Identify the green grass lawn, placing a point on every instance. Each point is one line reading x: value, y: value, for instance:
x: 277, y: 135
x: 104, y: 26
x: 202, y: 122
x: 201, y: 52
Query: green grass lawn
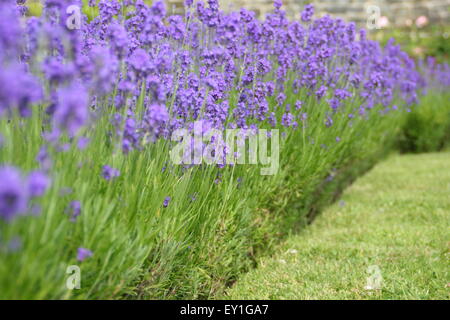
x: 395, y: 218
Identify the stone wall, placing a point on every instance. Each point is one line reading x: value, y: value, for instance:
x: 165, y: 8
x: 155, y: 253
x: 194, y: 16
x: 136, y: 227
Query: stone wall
x: 398, y: 12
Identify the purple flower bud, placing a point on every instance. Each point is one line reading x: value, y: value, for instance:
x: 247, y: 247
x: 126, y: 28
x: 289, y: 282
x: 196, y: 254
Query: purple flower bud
x: 83, y: 143
x: 166, y: 202
x: 307, y: 13
x: 277, y: 4
x: 83, y: 254
x: 43, y: 158
x: 13, y: 193
x: 109, y: 173
x: 38, y: 183
x: 74, y: 210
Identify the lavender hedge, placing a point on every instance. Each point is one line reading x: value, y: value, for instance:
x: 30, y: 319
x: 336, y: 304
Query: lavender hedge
x: 87, y: 110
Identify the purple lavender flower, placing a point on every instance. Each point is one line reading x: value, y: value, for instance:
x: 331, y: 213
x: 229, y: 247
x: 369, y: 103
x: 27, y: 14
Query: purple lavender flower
x: 277, y: 4
x: 83, y: 143
x: 22, y: 8
x: 139, y: 62
x: 56, y: 71
x: 38, y: 183
x: 328, y: 121
x: 74, y: 210
x: 19, y: 90
x: 166, y: 202
x: 304, y: 116
x: 130, y: 136
x: 155, y: 119
x: 119, y: 40
x: 321, y: 92
x: 307, y: 13
x: 109, y: 173
x: 334, y: 103
x: 13, y: 193
x: 10, y: 30
x: 104, y: 67
x: 71, y: 112
x: 159, y: 9
x: 287, y: 120
x: 44, y: 158
x: 83, y: 254
x: 281, y: 98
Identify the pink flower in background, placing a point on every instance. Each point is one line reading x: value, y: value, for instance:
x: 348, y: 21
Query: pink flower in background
x: 421, y: 21
x: 383, y: 22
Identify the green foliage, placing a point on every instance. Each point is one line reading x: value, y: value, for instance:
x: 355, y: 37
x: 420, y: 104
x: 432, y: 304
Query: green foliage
x: 439, y: 46
x: 427, y: 127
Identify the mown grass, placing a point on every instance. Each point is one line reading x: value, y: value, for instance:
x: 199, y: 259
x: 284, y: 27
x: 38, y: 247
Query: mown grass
x: 396, y: 217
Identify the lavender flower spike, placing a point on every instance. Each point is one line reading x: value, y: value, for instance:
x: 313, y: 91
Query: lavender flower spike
x: 83, y: 254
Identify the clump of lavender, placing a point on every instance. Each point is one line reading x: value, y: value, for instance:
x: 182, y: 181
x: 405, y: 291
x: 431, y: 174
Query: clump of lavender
x: 164, y: 56
x: 158, y: 73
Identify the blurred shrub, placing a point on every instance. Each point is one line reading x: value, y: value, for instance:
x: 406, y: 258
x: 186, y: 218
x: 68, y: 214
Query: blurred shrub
x: 419, y: 42
x: 439, y: 46
x: 427, y: 127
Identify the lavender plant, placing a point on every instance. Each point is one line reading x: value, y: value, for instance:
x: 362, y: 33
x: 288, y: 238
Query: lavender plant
x: 87, y: 115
